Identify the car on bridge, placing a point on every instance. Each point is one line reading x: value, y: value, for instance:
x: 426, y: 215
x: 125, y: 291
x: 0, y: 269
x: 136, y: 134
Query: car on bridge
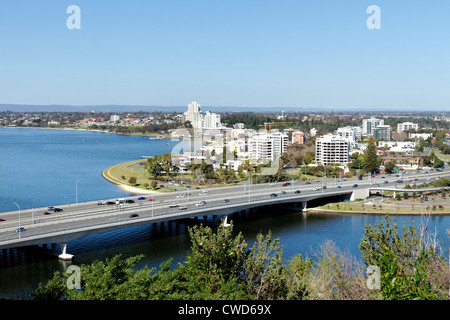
x: 21, y: 229
x: 2, y: 220
x: 200, y: 204
x: 283, y: 192
x: 385, y: 182
x: 355, y: 185
x: 57, y: 209
x: 273, y: 195
x: 134, y: 215
x: 173, y: 205
x: 183, y: 208
x: 46, y: 213
x: 226, y: 200
x: 297, y: 191
x: 141, y: 198
x: 101, y: 202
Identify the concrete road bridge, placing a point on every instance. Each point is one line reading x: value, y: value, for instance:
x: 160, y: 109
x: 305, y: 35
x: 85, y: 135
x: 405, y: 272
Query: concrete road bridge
x: 32, y: 227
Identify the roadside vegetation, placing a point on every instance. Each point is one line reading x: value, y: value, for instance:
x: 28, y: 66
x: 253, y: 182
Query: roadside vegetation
x: 220, y: 265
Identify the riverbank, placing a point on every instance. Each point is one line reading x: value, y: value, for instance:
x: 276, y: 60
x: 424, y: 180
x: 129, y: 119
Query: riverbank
x: 164, y: 135
x: 383, y: 209
x: 113, y: 173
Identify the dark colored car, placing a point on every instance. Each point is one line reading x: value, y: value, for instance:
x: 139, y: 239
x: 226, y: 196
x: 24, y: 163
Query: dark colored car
x: 134, y: 215
x: 297, y: 191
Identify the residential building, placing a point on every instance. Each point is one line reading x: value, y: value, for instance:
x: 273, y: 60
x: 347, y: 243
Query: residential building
x: 332, y: 149
x: 267, y: 147
x: 407, y: 126
x: 200, y: 119
x: 350, y: 133
x: 382, y: 132
x: 369, y: 125
x: 298, y: 137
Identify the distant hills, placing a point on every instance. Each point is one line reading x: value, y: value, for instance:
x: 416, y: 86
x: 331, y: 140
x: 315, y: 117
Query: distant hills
x: 220, y: 109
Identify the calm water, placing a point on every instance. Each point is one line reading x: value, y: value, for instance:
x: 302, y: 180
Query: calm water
x: 40, y: 167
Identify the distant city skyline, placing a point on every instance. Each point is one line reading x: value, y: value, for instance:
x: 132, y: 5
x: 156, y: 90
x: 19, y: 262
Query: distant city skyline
x: 289, y: 54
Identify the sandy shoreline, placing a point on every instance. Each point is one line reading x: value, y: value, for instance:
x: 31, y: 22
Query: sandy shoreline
x: 133, y: 190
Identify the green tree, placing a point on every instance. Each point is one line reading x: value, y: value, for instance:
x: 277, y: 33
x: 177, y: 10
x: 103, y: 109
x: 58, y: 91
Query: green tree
x: 371, y: 163
x: 308, y: 159
x: 132, y: 180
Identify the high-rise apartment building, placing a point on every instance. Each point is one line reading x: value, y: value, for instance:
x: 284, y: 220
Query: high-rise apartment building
x: 298, y: 137
x: 263, y: 147
x: 383, y: 132
x: 369, y: 125
x: 200, y: 119
x: 332, y: 149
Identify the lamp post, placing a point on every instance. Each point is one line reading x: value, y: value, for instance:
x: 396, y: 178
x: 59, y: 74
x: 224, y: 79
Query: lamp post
x: 76, y: 190
x: 19, y: 217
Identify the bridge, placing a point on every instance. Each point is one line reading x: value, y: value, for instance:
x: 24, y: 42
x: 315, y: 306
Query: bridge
x: 39, y: 226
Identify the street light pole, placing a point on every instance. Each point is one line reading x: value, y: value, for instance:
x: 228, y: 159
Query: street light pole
x: 76, y: 190
x: 19, y: 217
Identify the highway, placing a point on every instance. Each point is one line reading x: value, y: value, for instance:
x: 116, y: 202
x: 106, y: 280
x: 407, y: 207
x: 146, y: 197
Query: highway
x: 88, y: 214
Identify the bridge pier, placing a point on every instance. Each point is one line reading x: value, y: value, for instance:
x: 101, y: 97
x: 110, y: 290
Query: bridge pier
x: 64, y: 255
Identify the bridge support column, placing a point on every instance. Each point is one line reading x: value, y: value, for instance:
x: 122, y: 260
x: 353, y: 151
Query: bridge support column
x: 304, y: 204
x: 64, y: 255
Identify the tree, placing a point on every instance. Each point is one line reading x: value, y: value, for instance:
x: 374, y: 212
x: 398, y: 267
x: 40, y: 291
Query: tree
x: 389, y: 167
x: 406, y: 264
x: 132, y: 180
x: 308, y: 159
x: 371, y: 163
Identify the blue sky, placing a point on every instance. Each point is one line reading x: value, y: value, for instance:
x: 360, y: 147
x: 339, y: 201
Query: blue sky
x: 275, y: 54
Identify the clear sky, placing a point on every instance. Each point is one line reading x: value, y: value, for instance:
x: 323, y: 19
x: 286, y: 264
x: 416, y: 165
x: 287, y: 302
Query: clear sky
x: 252, y: 53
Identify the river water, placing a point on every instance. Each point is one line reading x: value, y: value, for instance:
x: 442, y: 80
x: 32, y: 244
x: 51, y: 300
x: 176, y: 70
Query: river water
x: 42, y: 166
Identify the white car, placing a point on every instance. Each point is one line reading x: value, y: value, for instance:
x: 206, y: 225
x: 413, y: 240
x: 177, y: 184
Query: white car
x: 174, y: 205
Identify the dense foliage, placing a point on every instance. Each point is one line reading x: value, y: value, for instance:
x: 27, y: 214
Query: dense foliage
x: 222, y: 266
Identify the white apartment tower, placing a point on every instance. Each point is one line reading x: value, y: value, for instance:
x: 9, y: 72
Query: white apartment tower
x: 199, y: 119
x: 369, y: 125
x: 332, y: 149
x: 267, y: 146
